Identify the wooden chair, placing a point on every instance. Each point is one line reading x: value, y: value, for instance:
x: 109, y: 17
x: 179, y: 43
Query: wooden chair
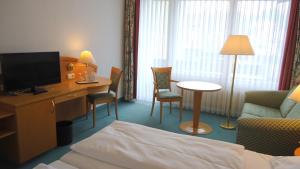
x: 100, y: 98
x: 162, y: 89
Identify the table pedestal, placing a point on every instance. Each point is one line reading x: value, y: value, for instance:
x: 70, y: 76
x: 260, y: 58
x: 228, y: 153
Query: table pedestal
x: 196, y: 127
x: 202, y: 128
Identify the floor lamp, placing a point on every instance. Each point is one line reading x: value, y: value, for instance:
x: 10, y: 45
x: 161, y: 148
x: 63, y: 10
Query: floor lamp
x: 235, y: 45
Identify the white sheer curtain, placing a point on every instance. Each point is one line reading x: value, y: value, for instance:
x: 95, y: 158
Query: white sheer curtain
x: 188, y: 35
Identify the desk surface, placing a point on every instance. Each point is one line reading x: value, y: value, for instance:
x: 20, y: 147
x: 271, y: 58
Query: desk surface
x: 54, y: 90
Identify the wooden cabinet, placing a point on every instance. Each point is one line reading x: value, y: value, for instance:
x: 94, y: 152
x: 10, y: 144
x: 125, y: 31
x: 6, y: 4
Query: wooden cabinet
x: 28, y: 122
x: 8, y: 133
x: 7, y: 127
x: 36, y: 129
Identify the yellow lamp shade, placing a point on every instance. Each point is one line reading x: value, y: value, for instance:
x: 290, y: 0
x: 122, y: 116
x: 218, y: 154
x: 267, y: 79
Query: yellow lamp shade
x: 237, y: 45
x: 87, y: 57
x: 296, y: 95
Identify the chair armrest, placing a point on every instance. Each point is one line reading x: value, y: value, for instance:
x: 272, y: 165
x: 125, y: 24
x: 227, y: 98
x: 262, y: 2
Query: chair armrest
x: 176, y: 81
x: 266, y: 98
x: 272, y: 136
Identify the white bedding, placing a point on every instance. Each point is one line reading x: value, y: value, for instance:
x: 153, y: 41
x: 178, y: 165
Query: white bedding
x: 62, y: 165
x: 287, y: 162
x: 253, y: 160
x: 130, y: 146
x: 55, y: 165
x: 85, y: 162
x: 135, y: 146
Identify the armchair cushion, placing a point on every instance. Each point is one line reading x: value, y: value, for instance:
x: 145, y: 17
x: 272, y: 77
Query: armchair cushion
x: 168, y: 94
x: 246, y: 115
x: 287, y: 104
x: 260, y: 111
x: 295, y: 112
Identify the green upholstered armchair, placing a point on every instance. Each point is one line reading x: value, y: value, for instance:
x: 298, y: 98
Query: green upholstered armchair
x: 269, y: 123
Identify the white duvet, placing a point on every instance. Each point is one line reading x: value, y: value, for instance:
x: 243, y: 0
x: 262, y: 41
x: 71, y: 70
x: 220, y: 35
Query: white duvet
x: 55, y: 165
x: 134, y: 146
x: 84, y: 162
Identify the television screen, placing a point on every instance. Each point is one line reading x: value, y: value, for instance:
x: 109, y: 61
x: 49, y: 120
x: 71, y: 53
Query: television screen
x: 28, y: 70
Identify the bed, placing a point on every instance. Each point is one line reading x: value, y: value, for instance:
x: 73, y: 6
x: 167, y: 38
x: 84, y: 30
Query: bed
x: 124, y: 145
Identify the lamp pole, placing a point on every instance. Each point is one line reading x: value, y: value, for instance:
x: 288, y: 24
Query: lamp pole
x: 227, y: 124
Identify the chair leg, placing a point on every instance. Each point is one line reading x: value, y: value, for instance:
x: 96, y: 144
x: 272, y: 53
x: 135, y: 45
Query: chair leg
x: 161, y: 112
x: 116, y: 108
x: 180, y: 107
x: 94, y: 115
x: 108, y: 113
x: 170, y: 107
x: 87, y: 110
x: 153, y: 102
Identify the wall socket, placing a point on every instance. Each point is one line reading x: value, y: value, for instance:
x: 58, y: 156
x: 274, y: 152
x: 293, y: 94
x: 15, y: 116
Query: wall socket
x: 71, y: 76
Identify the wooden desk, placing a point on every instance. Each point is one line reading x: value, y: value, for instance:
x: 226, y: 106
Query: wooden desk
x: 198, y: 87
x: 28, y: 122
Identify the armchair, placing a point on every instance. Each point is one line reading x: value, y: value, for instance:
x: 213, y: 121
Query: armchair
x: 269, y: 123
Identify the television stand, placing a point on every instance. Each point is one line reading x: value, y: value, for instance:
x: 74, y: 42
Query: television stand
x: 35, y: 90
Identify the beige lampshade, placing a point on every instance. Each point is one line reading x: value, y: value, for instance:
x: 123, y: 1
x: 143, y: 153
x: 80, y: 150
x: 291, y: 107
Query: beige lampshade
x: 296, y: 94
x: 237, y: 45
x: 87, y: 57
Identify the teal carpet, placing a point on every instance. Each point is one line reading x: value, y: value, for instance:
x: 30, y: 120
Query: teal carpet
x: 135, y: 113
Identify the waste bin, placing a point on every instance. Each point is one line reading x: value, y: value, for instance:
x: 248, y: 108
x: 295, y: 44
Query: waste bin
x: 64, y: 133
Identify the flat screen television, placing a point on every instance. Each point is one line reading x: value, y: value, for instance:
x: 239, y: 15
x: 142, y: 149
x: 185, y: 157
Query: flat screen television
x: 29, y: 70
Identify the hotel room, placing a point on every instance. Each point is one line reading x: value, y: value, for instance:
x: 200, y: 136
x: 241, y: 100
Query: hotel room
x: 150, y: 84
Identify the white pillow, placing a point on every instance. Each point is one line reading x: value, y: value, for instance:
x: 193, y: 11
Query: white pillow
x: 287, y: 162
x: 43, y: 166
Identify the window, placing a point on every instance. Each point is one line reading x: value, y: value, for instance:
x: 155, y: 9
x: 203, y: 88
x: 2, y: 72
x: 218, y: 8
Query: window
x: 188, y: 35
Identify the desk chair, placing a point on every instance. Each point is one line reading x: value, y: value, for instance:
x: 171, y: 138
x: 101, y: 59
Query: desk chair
x: 162, y: 89
x: 100, y: 98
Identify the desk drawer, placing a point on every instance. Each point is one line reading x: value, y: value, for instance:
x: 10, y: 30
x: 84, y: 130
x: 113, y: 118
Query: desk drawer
x: 70, y: 96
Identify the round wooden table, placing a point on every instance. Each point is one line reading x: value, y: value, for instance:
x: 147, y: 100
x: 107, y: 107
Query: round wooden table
x: 198, y: 87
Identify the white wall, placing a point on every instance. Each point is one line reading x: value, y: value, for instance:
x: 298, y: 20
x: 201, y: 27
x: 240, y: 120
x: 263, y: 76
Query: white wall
x: 68, y: 26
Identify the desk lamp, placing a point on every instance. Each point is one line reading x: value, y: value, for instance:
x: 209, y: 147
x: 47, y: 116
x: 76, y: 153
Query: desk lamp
x: 86, y: 57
